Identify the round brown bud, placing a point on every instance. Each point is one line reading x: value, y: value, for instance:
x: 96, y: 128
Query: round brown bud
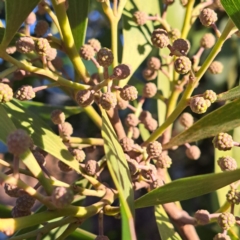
x: 18, y: 142
x: 51, y: 54
x: 202, y: 217
x: 140, y: 18
x: 149, y: 90
x: 25, y: 44
x: 154, y: 149
x: 174, y: 34
x: 160, y: 38
x: 216, y: 67
x: 151, y: 124
x: 11, y: 190
x: 207, y: 17
x: 62, y: 197
x: 133, y: 166
x: 64, y: 167
x: 131, y: 120
x: 25, y: 202
x: 182, y: 65
x: 108, y: 100
x: 95, y: 44
x: 91, y: 167
x: 153, y: 63
x: 6, y: 93
x: 129, y: 93
x: 87, y: 52
x: 127, y: 144
x: 210, y: 95
x: 16, y: 213
x: 79, y: 154
x: 193, y: 152
x: 122, y: 104
x: 11, y: 50
x: 208, y: 40
x: 30, y: 19
x: 57, y: 62
x: 223, y: 141
x: 121, y: 71
x: 57, y: 116
x: 226, y: 220
x: 198, y: 105
x: 186, y: 120
x: 84, y: 98
x: 181, y: 45
x: 144, y: 116
x: 41, y: 28
x: 42, y: 46
x: 25, y: 93
x: 227, y: 163
x: 105, y: 57
x: 233, y: 196
x: 66, y: 129
x: 164, y: 161
x: 221, y: 236
x: 39, y: 157
x: 135, y: 132
x: 149, y: 74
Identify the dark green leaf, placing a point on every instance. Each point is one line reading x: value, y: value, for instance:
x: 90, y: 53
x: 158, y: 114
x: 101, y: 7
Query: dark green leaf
x: 229, y: 95
x: 16, y: 12
x: 78, y: 17
x: 187, y: 188
x: 223, y: 119
x: 119, y: 171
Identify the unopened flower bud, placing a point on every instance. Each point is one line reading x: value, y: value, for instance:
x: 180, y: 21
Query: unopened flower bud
x: 154, y: 149
x: 62, y: 197
x: 223, y: 141
x: 129, y: 93
x: 202, y: 217
x: 193, y: 152
x: 226, y: 220
x: 207, y: 17
x: 140, y: 18
x: 160, y: 38
x: 105, y: 57
x: 227, y: 163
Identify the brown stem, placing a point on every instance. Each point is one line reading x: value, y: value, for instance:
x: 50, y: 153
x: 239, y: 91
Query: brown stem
x: 100, y: 223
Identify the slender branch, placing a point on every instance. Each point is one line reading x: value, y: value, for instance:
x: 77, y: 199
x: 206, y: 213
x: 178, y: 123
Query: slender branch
x: 90, y: 141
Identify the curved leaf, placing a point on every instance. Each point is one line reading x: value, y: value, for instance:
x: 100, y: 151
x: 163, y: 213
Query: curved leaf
x: 229, y: 95
x: 187, y: 188
x: 223, y: 119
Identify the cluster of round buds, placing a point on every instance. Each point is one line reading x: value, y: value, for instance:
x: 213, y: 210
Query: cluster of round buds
x: 91, y: 167
x: 84, y: 98
x: 221, y: 236
x: 215, y: 67
x: 62, y: 197
x: 95, y: 44
x: 210, y: 95
x: 193, y: 152
x: 153, y: 63
x: 180, y: 45
x: 18, y: 142
x: 30, y: 19
x: 198, y: 105
x: 182, y: 65
x: 122, y: 104
x: 140, y: 18
x: 131, y: 120
x: 227, y: 163
x: 129, y: 93
x: 202, y: 217
x: 154, y: 149
x: 25, y: 93
x: 78, y: 153
x: 42, y: 46
x: 226, y: 220
x: 6, y: 93
x: 207, y: 17
x: 87, y: 52
x: 105, y: 57
x: 174, y: 34
x: 121, y: 71
x: 223, y: 141
x: 41, y: 28
x: 64, y: 167
x: 160, y: 38
x: 25, y: 202
x: 149, y: 74
x: 164, y: 161
x: 108, y: 100
x: 57, y: 117
x: 233, y: 196
x: 149, y: 90
x: 11, y: 190
x: 16, y: 213
x: 25, y: 44
x: 66, y: 130
x: 186, y: 120
x: 127, y: 144
x: 208, y: 40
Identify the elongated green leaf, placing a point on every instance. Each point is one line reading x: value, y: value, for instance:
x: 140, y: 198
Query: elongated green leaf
x: 164, y: 224
x: 16, y: 12
x: 119, y: 171
x: 187, y: 188
x: 229, y: 95
x: 137, y: 41
x: 232, y: 7
x: 42, y: 136
x: 44, y: 110
x: 223, y: 119
x: 78, y: 17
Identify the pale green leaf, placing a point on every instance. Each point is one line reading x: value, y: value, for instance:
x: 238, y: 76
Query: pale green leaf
x: 229, y: 95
